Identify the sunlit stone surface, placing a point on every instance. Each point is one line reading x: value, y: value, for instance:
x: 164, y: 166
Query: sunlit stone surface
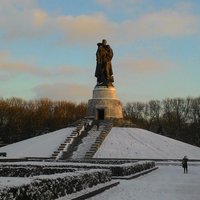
x: 104, y: 104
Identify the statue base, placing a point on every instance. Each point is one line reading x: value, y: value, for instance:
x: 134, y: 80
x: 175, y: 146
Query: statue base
x: 104, y: 104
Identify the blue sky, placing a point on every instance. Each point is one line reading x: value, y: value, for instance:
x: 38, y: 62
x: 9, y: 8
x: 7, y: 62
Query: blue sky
x: 48, y: 48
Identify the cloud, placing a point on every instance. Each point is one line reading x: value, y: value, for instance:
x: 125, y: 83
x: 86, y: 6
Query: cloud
x: 176, y: 22
x: 21, y: 19
x: 106, y: 3
x: 145, y: 65
x: 7, y: 66
x: 117, y: 4
x: 160, y: 24
x: 63, y: 91
x: 4, y: 77
x: 85, y: 28
x: 39, y: 18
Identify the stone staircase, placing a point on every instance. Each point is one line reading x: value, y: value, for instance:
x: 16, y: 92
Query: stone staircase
x: 92, y: 141
x: 64, y: 148
x: 107, y: 126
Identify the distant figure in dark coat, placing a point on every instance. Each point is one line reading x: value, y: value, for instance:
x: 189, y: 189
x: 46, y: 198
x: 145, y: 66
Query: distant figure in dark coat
x: 185, y: 164
x: 97, y: 126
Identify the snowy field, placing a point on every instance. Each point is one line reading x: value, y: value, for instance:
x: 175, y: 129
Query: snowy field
x: 120, y: 143
x: 166, y: 183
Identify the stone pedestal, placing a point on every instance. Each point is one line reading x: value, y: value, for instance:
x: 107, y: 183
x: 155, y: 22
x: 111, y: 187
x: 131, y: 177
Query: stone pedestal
x: 104, y: 104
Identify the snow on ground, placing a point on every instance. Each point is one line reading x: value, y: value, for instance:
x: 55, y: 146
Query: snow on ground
x: 120, y: 143
x: 41, y: 146
x: 166, y: 183
x: 14, y: 181
x: 139, y: 143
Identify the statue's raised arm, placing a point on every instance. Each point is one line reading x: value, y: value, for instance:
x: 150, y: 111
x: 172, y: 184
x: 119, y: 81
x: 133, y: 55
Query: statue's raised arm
x: 104, y: 73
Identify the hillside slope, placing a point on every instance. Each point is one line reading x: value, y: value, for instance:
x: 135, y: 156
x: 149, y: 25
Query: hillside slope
x: 40, y: 146
x: 139, y: 143
x: 120, y: 143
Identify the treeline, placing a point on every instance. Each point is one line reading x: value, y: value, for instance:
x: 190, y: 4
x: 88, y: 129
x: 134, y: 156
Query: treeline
x: 20, y: 119
x: 177, y: 118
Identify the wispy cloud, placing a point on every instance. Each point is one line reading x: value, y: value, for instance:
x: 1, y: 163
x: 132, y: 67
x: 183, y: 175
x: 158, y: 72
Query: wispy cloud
x: 160, y: 24
x: 7, y: 65
x: 63, y: 91
x: 4, y: 77
x: 117, y: 4
x: 22, y: 20
x: 144, y: 65
x: 85, y: 28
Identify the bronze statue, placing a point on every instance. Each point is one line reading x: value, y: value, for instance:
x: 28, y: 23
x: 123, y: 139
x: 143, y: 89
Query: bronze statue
x: 104, y: 73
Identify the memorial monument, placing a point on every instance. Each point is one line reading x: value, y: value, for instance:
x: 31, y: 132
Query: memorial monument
x: 104, y: 103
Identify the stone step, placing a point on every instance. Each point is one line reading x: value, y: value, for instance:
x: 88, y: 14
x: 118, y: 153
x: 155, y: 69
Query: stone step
x: 54, y: 155
x: 89, y: 154
x: 67, y: 140
x: 93, y: 149
x: 63, y: 145
x: 98, y: 141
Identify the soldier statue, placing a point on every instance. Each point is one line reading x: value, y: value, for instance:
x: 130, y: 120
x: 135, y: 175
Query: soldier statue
x: 103, y: 72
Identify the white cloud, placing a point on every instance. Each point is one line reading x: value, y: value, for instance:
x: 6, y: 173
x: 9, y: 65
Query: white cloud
x: 85, y: 28
x: 129, y: 65
x: 22, y: 20
x: 18, y: 67
x: 118, y: 4
x: 163, y: 23
x: 63, y: 91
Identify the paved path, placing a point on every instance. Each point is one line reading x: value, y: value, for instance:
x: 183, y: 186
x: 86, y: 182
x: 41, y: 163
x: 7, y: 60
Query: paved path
x: 166, y: 183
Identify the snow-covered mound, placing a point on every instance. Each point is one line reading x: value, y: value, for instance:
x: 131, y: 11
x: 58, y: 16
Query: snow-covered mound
x: 120, y: 143
x: 139, y: 143
x: 40, y: 146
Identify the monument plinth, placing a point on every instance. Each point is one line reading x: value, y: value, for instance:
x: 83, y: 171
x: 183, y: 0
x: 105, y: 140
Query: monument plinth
x: 104, y: 103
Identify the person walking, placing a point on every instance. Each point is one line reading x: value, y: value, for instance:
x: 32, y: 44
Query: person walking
x: 185, y: 164
x: 97, y: 125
